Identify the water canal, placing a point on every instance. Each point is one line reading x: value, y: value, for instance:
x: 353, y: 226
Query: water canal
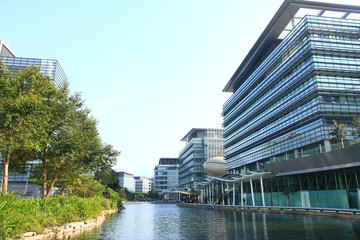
x: 168, y: 221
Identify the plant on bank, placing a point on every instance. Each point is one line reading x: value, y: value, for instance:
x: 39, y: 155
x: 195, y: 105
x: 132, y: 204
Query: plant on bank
x: 23, y: 215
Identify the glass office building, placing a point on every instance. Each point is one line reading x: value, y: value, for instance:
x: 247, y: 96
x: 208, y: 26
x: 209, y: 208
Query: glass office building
x: 47, y: 67
x: 301, y: 74
x: 166, y: 174
x: 126, y: 180
x: 142, y: 184
x: 201, y: 145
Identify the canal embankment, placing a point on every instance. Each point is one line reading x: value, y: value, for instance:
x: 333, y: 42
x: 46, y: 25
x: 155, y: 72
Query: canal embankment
x: 51, y: 217
x: 334, y: 212
x: 68, y: 230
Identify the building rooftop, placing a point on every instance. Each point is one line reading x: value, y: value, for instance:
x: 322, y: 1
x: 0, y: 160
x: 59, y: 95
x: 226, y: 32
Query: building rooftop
x: 192, y: 133
x: 168, y: 161
x: 124, y: 173
x: 285, y: 19
x: 5, y: 50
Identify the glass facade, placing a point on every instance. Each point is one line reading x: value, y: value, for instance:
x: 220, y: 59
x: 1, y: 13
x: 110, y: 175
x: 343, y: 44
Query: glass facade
x: 126, y: 180
x: 166, y: 174
x: 47, y: 67
x: 142, y: 184
x: 201, y: 145
x: 301, y: 75
x: 288, y: 103
x: 326, y: 189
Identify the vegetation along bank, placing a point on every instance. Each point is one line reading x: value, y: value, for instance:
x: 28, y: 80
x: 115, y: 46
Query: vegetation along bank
x: 18, y: 216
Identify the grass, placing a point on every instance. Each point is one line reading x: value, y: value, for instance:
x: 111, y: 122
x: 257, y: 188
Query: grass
x: 34, y: 215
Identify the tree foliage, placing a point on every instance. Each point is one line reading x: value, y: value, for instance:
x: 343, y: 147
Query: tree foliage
x: 23, y: 101
x: 108, y: 177
x: 338, y: 132
x: 356, y: 131
x: 43, y: 121
x: 85, y: 186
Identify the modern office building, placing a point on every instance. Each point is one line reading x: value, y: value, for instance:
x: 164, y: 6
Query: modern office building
x: 166, y: 175
x: 142, y: 184
x: 19, y: 182
x: 301, y: 74
x: 201, y: 145
x: 47, y: 67
x: 126, y: 180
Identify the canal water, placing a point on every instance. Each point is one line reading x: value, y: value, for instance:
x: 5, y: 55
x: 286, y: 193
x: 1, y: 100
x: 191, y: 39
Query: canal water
x: 168, y: 221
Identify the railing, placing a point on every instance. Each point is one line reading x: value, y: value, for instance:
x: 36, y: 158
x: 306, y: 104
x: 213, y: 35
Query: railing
x: 276, y: 208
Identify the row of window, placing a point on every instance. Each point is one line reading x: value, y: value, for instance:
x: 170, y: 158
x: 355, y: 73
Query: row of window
x: 284, y: 100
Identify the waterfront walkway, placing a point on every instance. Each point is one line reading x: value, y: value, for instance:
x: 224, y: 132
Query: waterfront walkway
x: 302, y: 210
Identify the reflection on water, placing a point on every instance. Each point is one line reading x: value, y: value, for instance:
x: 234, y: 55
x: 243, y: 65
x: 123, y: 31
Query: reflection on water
x: 157, y: 221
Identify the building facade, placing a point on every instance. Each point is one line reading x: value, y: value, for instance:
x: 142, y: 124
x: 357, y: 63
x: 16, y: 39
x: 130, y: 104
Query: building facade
x: 48, y: 67
x: 142, y: 184
x: 166, y: 175
x: 201, y: 145
x: 301, y: 75
x: 126, y: 180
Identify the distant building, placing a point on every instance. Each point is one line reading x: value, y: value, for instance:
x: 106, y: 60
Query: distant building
x: 201, y: 144
x: 166, y: 174
x: 19, y: 181
x: 142, y: 184
x: 152, y: 184
x: 126, y: 180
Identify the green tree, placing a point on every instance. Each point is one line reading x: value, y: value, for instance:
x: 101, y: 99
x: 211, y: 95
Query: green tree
x: 85, y: 186
x: 356, y: 131
x: 23, y: 100
x: 139, y: 196
x: 338, y: 132
x: 154, y: 194
x: 108, y: 177
x: 76, y: 147
x: 71, y: 142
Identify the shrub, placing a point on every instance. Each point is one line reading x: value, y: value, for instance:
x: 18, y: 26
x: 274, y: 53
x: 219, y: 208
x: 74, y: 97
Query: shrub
x: 24, y: 215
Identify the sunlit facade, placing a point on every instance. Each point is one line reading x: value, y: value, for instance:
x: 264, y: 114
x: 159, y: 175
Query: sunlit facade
x: 201, y: 145
x: 142, y: 184
x: 126, y: 180
x: 286, y: 104
x: 301, y: 74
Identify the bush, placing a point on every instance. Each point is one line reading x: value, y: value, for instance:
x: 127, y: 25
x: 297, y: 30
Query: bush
x: 25, y: 215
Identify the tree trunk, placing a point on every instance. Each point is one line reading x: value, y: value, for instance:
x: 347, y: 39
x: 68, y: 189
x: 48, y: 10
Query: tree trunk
x: 51, y: 185
x: 44, y: 173
x: 5, y: 179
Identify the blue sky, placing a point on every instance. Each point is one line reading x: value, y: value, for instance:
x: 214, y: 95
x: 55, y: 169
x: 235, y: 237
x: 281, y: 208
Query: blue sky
x: 150, y: 70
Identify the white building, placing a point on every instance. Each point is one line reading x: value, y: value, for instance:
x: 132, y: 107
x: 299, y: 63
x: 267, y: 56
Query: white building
x: 142, y: 184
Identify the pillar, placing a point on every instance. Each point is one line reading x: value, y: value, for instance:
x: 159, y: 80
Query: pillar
x: 222, y: 192
x: 262, y: 191
x: 327, y: 145
x: 252, y: 193
x: 242, y: 194
x: 227, y: 186
x: 234, y: 193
